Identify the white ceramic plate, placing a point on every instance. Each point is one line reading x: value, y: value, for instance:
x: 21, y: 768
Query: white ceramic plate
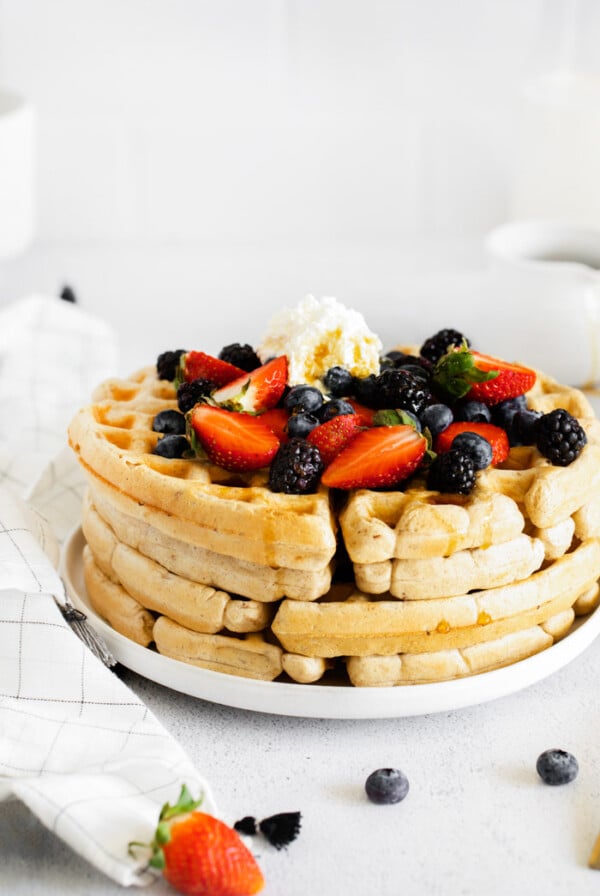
x: 322, y: 701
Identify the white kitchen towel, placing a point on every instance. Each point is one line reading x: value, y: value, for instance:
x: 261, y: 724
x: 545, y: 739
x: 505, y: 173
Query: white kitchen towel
x: 76, y: 745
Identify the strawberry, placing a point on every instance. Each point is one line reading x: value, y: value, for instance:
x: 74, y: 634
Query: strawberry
x: 276, y: 419
x: 462, y: 372
x: 195, y: 365
x: 495, y: 435
x: 234, y: 441
x: 364, y: 414
x: 257, y: 391
x: 332, y: 436
x: 376, y: 457
x: 199, y: 855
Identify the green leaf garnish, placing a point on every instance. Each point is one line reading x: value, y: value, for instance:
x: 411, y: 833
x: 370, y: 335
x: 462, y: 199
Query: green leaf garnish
x: 456, y: 372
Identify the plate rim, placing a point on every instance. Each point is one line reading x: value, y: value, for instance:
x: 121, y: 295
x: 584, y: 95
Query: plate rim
x: 316, y: 700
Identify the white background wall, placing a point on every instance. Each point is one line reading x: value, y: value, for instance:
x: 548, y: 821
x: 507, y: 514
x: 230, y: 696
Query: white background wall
x: 201, y: 162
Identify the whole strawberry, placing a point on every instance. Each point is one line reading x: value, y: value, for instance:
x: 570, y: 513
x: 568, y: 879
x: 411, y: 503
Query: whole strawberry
x: 199, y: 855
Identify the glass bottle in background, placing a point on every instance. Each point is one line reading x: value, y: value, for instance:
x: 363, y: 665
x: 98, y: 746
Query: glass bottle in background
x: 557, y: 141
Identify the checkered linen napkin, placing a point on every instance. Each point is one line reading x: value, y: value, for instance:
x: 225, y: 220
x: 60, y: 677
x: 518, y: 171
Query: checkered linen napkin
x: 76, y: 746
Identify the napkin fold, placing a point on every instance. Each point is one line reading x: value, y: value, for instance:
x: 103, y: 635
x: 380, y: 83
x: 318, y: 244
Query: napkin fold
x: 76, y: 745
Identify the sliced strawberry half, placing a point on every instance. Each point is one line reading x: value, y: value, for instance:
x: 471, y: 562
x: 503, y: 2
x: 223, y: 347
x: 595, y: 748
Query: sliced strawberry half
x: 332, y: 436
x: 197, y: 365
x: 276, y: 419
x: 495, y: 435
x: 234, y: 441
x: 461, y: 373
x: 364, y: 414
x: 257, y: 391
x: 376, y: 458
x: 512, y: 380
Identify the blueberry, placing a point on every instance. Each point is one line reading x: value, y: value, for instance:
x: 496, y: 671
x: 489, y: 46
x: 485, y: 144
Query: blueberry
x: 172, y: 446
x: 397, y: 358
x: 417, y: 371
x: 169, y: 422
x: 525, y: 425
x: 338, y: 381
x: 557, y: 767
x: 303, y: 400
x: 437, y: 418
x: 504, y: 413
x: 386, y: 786
x: 478, y: 448
x: 472, y: 412
x: 334, y: 408
x: 299, y: 425
x: 365, y: 390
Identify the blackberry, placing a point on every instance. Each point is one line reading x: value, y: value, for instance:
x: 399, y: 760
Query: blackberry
x: 169, y: 422
x: 303, y: 400
x: 557, y: 767
x: 386, y: 786
x: 400, y: 389
x: 189, y: 394
x: 560, y: 437
x: 437, y: 418
x: 296, y: 468
x: 338, y: 381
x: 452, y: 472
x: 171, y: 446
x: 334, y: 408
x: 242, y: 356
x: 167, y: 364
x: 437, y: 345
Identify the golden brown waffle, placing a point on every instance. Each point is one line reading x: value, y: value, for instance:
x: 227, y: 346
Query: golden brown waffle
x: 444, y: 585
x: 230, y: 514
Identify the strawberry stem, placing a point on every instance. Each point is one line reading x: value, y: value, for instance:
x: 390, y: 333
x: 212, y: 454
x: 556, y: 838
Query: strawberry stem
x: 456, y: 372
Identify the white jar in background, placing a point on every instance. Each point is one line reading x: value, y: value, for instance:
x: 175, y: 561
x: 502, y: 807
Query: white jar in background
x: 17, y: 205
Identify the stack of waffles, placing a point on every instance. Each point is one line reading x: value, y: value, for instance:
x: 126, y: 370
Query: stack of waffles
x: 384, y: 588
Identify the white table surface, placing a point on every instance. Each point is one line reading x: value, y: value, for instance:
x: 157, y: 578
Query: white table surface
x: 477, y: 819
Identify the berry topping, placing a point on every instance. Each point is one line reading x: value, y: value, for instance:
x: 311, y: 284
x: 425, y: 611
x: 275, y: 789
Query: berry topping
x: 338, y: 381
x: 557, y: 767
x: 277, y: 420
x: 472, y: 412
x: 234, y: 441
x: 303, y: 400
x: 377, y: 458
x: 199, y: 855
x: 398, y: 388
x: 436, y: 418
x: 199, y: 365
x: 333, y: 435
x: 300, y: 425
x: 242, y: 356
x: 560, y: 437
x: 479, y: 449
x: 365, y: 390
x: 333, y: 408
x: 494, y: 435
x: 171, y: 446
x: 436, y: 346
x: 386, y: 786
x: 296, y: 468
x: 525, y: 426
x: 453, y: 472
x: 167, y: 364
x: 364, y: 414
x: 481, y: 377
x: 169, y: 422
x: 189, y: 394
x: 257, y: 391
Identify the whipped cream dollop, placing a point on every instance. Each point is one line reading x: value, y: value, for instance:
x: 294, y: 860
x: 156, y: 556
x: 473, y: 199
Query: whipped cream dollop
x: 318, y: 334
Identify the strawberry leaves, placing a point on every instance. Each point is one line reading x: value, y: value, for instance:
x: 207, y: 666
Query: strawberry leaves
x: 455, y: 373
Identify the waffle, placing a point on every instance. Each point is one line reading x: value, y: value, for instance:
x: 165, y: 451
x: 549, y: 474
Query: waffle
x: 213, y: 569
